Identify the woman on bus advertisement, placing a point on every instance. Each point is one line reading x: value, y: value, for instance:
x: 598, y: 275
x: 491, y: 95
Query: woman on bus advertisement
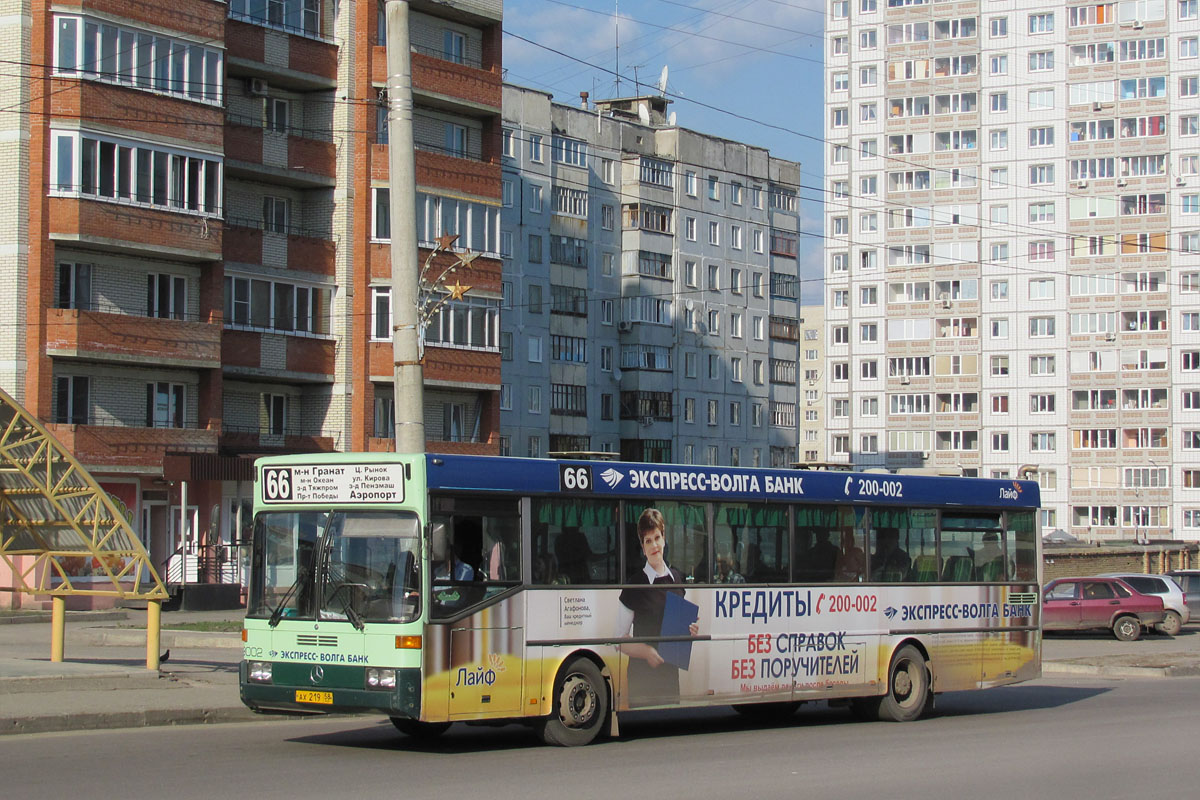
x: 653, y: 679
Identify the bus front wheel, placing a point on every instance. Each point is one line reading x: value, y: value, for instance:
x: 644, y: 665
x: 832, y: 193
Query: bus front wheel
x: 580, y: 706
x: 908, y: 687
x: 420, y: 730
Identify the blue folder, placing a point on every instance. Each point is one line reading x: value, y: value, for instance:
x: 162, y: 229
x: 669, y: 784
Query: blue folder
x: 678, y: 615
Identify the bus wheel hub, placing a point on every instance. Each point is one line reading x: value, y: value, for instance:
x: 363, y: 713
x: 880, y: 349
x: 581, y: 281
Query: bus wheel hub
x: 578, y: 702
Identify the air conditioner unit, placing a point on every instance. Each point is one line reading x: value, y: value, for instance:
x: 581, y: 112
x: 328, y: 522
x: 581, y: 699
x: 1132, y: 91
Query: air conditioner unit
x: 1138, y: 25
x: 810, y: 402
x: 904, y: 379
x: 1122, y: 182
x: 1097, y: 106
x: 624, y: 326
x: 647, y: 421
x: 257, y: 87
x: 1179, y: 181
x: 1081, y: 185
x: 1110, y: 337
x: 945, y: 304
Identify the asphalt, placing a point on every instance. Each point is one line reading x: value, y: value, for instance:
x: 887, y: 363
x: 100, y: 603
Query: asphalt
x: 103, y: 681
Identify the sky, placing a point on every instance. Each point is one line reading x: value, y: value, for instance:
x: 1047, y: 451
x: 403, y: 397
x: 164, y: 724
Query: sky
x: 758, y: 60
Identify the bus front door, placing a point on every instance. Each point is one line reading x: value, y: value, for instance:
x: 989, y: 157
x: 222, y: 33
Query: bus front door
x: 486, y: 677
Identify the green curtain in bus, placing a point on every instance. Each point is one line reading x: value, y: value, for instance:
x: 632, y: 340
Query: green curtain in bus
x: 752, y: 516
x: 575, y: 513
x: 903, y: 518
x: 676, y: 515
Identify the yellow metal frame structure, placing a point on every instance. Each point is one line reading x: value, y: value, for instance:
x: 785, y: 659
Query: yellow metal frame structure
x: 52, y: 509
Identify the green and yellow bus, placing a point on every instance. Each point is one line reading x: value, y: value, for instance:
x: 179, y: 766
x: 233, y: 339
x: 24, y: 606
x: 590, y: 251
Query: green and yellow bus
x: 436, y: 589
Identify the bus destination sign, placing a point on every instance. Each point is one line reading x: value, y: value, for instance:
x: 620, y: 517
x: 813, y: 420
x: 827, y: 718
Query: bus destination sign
x: 342, y: 484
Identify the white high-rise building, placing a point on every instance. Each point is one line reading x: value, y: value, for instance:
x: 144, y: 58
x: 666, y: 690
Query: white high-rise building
x: 1013, y: 250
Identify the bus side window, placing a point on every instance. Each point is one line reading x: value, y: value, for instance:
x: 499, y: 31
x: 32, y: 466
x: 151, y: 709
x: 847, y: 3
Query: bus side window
x: 686, y: 539
x: 574, y: 542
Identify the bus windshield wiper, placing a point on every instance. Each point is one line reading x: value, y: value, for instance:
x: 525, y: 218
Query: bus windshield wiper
x: 277, y: 614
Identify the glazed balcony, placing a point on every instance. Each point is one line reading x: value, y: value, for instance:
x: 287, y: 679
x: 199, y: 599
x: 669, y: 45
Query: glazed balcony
x: 127, y: 339
x: 131, y: 229
x: 141, y: 448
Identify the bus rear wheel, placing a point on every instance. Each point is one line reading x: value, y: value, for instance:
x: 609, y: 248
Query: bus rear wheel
x: 908, y: 687
x: 420, y: 730
x: 580, y: 706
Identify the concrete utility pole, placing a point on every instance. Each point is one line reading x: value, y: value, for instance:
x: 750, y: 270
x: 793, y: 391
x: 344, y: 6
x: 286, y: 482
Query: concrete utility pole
x: 409, y: 375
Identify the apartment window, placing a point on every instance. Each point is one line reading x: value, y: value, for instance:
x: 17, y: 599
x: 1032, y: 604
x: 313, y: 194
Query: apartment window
x: 841, y: 81
x: 535, y: 149
x: 99, y: 50
x: 1041, y: 61
x: 867, y: 112
x: 714, y: 233
x: 276, y: 214
x: 999, y: 101
x: 275, y: 408
x: 998, y: 65
x: 1041, y: 23
x: 998, y: 27
x: 714, y: 188
x: 276, y: 112
x: 75, y: 286
x: 166, y: 296
x: 533, y: 398
x: 1041, y: 137
x: 72, y: 400
x: 125, y: 171
x: 998, y: 139
x: 165, y: 405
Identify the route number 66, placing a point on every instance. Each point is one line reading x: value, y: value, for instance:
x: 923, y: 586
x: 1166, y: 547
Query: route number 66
x: 277, y: 484
x: 575, y: 479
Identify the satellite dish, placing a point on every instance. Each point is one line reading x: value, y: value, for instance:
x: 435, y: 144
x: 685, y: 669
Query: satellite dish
x: 617, y: 373
x: 671, y: 119
x: 689, y: 303
x: 643, y: 115
x: 662, y: 81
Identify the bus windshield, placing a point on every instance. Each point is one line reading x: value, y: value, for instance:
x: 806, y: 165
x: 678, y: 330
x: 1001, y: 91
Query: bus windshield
x: 336, y: 565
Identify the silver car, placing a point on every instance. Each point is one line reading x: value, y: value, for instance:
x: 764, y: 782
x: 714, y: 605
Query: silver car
x: 1168, y: 589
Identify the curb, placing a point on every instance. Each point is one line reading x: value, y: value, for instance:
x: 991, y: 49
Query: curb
x: 1101, y: 671
x: 110, y: 681
x: 58, y: 723
x: 72, y: 617
x: 136, y: 637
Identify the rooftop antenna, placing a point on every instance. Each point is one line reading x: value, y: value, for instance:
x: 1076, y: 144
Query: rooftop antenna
x: 637, y: 84
x: 617, y: 51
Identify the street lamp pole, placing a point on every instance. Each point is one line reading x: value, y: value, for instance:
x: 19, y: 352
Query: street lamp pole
x: 408, y: 376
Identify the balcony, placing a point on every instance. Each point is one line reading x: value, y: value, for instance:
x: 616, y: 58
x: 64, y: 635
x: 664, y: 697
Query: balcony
x: 291, y: 59
x: 126, y: 339
x: 297, y: 358
x: 134, y: 230
x: 442, y: 170
x: 140, y: 448
x: 247, y: 243
x: 473, y: 369
x: 297, y: 157
x: 256, y: 441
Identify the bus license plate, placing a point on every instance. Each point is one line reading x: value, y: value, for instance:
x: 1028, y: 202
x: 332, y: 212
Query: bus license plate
x: 324, y: 698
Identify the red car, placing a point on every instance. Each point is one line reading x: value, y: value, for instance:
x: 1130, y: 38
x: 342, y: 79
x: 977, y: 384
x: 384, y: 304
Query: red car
x: 1080, y: 604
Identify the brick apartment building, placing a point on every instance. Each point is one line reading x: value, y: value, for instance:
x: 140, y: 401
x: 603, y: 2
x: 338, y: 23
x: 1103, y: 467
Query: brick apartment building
x: 194, y: 254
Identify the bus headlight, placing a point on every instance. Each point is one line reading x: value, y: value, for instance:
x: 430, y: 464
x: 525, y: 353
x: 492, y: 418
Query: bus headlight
x: 259, y: 671
x: 381, y: 678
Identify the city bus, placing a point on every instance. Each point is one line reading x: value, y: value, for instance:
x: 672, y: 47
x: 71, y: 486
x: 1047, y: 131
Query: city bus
x: 435, y: 589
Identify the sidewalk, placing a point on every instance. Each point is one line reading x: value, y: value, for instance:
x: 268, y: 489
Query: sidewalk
x: 105, y: 684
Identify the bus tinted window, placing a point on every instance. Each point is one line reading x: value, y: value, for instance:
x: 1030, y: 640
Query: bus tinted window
x: 685, y: 540
x: 475, y: 550
x: 818, y: 544
x: 750, y: 543
x: 903, y: 545
x: 574, y: 541
x: 1021, y: 545
x: 971, y: 548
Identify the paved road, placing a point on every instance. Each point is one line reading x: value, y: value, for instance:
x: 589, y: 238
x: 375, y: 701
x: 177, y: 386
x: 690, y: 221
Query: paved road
x: 1065, y: 737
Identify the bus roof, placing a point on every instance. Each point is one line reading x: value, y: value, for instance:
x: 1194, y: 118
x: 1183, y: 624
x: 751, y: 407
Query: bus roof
x: 625, y: 479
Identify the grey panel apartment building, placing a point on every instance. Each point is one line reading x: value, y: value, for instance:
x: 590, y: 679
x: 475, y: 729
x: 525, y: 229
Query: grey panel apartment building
x: 651, y: 293
x: 1013, y: 261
